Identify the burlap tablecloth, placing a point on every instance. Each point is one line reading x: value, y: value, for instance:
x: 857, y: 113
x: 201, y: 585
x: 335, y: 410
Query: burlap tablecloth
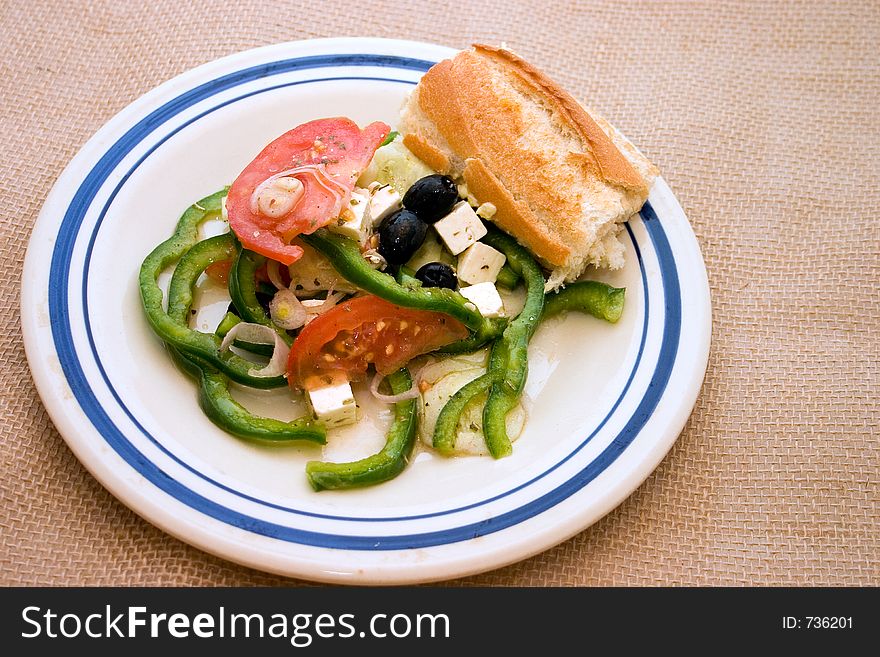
x: 763, y: 118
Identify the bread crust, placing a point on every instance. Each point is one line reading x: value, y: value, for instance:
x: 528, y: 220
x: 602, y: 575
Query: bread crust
x: 610, y: 163
x: 510, y: 215
x: 427, y: 153
x: 522, y: 143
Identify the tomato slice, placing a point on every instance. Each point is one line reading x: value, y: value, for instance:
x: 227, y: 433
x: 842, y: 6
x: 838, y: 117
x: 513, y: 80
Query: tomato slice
x: 345, y: 340
x: 219, y: 271
x: 327, y: 156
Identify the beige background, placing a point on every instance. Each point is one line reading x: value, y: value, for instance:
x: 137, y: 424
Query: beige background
x: 762, y: 116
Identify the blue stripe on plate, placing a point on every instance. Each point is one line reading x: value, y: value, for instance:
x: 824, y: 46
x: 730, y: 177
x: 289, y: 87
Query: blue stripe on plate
x: 286, y: 509
x: 62, y: 336
x: 279, y: 507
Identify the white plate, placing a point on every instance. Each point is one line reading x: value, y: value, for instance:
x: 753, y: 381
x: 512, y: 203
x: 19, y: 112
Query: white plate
x: 606, y: 402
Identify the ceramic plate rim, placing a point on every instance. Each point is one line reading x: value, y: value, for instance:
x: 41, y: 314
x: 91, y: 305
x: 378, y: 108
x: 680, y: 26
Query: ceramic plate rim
x: 262, y: 552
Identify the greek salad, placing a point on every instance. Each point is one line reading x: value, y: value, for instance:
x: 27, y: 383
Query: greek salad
x: 347, y: 259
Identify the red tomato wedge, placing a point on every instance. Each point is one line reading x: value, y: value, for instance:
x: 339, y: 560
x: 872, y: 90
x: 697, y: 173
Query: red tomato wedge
x: 345, y: 340
x: 326, y: 156
x: 219, y: 271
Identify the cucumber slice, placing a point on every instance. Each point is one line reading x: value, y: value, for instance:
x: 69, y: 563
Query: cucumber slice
x: 394, y: 165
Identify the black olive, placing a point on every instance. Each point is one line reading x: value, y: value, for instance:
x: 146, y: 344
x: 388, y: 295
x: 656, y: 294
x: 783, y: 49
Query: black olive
x: 400, y: 235
x: 437, y: 274
x: 264, y: 300
x: 431, y: 197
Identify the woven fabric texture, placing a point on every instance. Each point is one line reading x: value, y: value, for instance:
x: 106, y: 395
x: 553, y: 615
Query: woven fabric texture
x: 762, y: 117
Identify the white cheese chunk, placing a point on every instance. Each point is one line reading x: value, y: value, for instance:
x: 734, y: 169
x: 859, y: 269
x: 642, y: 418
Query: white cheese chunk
x: 486, y: 210
x: 353, y: 221
x: 384, y: 200
x: 480, y: 263
x: 334, y: 405
x: 460, y: 228
x: 486, y: 298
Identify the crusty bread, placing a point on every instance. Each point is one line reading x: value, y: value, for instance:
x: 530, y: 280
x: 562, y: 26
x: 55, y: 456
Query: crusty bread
x: 562, y: 180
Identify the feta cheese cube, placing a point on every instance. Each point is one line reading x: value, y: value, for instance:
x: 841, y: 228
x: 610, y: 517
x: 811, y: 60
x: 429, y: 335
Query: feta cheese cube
x: 353, y: 221
x: 460, y: 228
x: 334, y: 405
x: 486, y: 298
x: 384, y: 200
x: 480, y: 263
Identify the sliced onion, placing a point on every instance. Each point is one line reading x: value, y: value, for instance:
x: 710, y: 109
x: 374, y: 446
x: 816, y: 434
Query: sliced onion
x: 276, y: 203
x: 276, y: 196
x: 260, y: 334
x: 375, y: 259
x: 316, y: 309
x: 286, y: 310
x: 331, y: 300
x: 272, y: 269
x: 412, y: 393
x: 340, y: 194
x: 322, y: 172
